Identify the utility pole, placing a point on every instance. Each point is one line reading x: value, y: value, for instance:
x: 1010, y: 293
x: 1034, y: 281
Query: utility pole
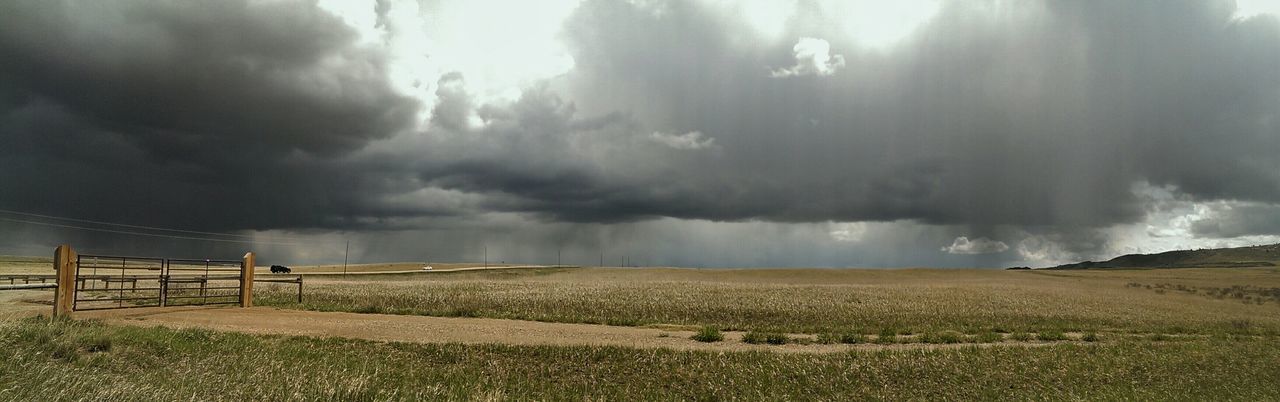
x: 345, y: 255
x: 602, y: 259
x: 486, y: 256
x: 558, y: 257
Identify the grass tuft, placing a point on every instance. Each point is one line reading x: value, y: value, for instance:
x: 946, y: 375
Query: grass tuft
x: 888, y: 335
x: 1051, y: 336
x: 828, y: 338
x: 851, y: 338
x: 777, y: 339
x: 944, y: 337
x: 708, y: 334
x: 988, y: 337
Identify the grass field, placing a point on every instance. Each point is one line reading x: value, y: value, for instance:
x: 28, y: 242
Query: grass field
x: 50, y: 360
x: 816, y: 301
x: 21, y: 265
x: 1171, y: 334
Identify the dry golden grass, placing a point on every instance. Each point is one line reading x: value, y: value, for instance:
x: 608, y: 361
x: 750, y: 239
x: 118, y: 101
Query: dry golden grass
x: 60, y: 360
x: 1146, y: 345
x: 817, y: 300
x: 383, y: 267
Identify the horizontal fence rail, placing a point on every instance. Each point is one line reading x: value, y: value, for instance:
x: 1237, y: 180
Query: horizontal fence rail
x: 13, y: 279
x: 29, y: 286
x: 297, y: 280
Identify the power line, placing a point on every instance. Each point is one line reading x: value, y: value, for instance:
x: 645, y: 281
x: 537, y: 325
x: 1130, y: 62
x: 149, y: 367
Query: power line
x: 139, y: 226
x: 148, y: 234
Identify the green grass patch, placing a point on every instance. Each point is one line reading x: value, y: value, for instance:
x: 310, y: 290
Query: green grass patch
x: 988, y: 337
x: 777, y: 339
x: 944, y: 337
x: 708, y: 334
x: 1051, y: 336
x: 851, y: 338
x: 887, y: 336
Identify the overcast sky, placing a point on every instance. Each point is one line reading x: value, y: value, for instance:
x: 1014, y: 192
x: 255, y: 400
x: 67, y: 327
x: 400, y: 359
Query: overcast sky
x: 690, y: 133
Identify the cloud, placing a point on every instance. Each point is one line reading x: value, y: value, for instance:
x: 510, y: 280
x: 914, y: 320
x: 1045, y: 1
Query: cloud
x: 981, y: 245
x: 187, y: 107
x: 994, y: 120
x: 692, y: 140
x: 848, y: 232
x: 813, y: 57
x: 943, y: 128
x: 1240, y: 219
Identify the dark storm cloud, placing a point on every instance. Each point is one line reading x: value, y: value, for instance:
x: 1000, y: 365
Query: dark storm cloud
x: 1034, y: 116
x: 996, y: 121
x: 182, y: 112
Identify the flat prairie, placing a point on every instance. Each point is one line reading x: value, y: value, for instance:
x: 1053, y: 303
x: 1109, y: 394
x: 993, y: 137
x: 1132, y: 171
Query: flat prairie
x: 1191, y: 301
x: 627, y: 333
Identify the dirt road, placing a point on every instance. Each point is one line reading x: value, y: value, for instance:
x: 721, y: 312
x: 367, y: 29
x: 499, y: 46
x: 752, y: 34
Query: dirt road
x: 419, y: 329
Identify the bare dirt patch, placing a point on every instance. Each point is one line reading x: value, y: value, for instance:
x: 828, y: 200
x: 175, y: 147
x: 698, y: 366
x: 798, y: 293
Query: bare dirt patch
x: 25, y: 303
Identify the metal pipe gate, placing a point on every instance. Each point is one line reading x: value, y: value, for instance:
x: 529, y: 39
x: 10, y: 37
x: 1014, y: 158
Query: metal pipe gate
x: 111, y: 282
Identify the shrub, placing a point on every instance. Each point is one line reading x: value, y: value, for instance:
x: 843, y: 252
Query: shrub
x: 827, y: 338
x: 63, y: 351
x: 1241, y: 326
x: 368, y: 309
x: 950, y: 337
x: 1091, y: 337
x: 1160, y: 338
x: 776, y: 339
x: 708, y: 334
x: 941, y: 337
x: 771, y: 338
x: 1051, y: 335
x: 853, y: 338
x: 1021, y: 336
x: 753, y: 337
x: 887, y: 336
x: 928, y: 337
x: 622, y: 322
x: 989, y: 337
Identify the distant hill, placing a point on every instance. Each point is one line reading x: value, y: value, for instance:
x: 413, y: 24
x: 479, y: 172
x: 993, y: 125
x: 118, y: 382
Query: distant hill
x: 1253, y: 256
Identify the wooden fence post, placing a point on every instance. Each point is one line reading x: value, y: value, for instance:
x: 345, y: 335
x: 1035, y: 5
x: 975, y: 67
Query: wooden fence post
x: 246, y: 280
x: 64, y: 263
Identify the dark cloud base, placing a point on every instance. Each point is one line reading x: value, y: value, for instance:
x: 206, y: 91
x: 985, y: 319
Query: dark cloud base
x: 1038, y: 120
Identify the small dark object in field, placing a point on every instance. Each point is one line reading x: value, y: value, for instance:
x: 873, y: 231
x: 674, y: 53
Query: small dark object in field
x: 279, y: 269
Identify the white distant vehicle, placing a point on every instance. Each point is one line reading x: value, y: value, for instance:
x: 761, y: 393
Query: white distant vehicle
x: 426, y: 268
